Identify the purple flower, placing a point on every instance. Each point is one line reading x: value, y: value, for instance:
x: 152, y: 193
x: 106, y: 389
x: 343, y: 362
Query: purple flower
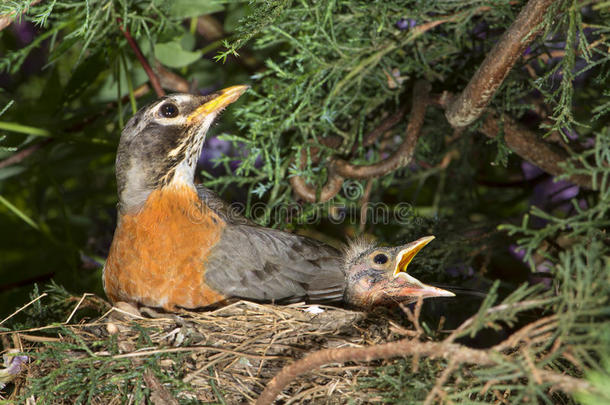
x: 405, y: 24
x: 213, y: 149
x: 516, y: 252
x: 538, y: 277
x: 15, y: 364
x: 530, y: 171
x: 552, y: 192
x: 562, y: 191
x: 24, y: 31
x: 570, y: 134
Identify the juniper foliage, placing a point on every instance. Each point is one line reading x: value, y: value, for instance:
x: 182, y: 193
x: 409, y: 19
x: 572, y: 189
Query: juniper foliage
x: 324, y: 70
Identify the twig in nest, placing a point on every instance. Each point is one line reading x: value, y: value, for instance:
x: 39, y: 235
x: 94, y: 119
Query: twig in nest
x: 457, y: 355
x: 159, y: 395
x: 470, y: 104
x: 23, y: 307
x: 154, y: 80
x: 413, y: 316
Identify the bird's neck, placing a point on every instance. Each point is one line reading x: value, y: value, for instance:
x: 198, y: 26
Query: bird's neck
x: 139, y: 191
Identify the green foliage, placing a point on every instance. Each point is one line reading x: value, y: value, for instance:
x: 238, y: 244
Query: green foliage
x: 601, y: 381
x: 321, y: 70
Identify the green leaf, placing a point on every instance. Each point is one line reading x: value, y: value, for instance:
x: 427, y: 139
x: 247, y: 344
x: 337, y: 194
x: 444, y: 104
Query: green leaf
x: 10, y: 171
x: 19, y: 213
x: 86, y: 74
x: 187, y: 41
x: 172, y: 54
x: 195, y: 8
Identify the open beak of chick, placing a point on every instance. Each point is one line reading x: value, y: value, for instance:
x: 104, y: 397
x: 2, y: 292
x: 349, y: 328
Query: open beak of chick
x: 408, y: 285
x: 378, y: 276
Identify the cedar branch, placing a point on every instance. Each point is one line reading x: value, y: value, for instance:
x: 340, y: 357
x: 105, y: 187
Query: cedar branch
x: 6, y: 20
x: 308, y: 193
x: 383, y: 127
x: 530, y: 147
x: 403, y: 155
x: 471, y: 103
x: 339, y: 169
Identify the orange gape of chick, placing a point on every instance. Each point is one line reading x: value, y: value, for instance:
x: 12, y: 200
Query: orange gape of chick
x: 178, y: 245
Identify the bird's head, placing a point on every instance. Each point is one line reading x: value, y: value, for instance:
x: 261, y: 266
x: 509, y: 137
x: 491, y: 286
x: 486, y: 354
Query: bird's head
x: 378, y: 275
x: 161, y: 143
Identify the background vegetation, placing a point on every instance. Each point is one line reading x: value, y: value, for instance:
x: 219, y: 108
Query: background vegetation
x: 334, y: 80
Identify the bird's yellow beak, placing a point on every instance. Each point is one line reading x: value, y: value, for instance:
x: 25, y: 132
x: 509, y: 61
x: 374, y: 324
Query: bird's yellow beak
x: 219, y: 103
x: 415, y: 287
x: 407, y: 254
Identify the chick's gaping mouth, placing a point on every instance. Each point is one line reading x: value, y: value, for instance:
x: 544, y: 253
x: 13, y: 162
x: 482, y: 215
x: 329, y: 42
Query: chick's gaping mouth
x: 408, y: 253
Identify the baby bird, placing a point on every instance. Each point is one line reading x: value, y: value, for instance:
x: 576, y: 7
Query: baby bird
x: 378, y: 275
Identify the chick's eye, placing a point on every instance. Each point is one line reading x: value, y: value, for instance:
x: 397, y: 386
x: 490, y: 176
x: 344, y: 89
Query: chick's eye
x: 169, y: 110
x: 380, y: 258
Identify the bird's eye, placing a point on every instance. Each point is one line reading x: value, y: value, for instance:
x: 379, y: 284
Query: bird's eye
x: 169, y: 110
x: 380, y: 258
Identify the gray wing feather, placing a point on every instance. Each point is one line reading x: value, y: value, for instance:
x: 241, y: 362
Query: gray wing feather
x: 266, y: 264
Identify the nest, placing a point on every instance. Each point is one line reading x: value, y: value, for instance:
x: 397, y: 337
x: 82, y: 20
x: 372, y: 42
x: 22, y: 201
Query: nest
x: 223, y: 356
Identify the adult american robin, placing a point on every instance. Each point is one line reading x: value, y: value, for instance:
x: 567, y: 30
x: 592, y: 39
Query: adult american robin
x: 178, y: 245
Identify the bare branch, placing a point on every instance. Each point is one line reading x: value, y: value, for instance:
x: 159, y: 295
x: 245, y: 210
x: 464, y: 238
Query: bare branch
x: 405, y: 347
x: 340, y: 169
x: 24, y: 153
x: 403, y: 155
x: 309, y: 193
x: 154, y: 79
x: 499, y: 61
x: 530, y: 147
x: 170, y: 80
x: 383, y: 127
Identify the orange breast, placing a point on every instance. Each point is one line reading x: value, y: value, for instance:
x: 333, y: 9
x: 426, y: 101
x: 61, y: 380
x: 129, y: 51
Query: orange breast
x: 157, y: 255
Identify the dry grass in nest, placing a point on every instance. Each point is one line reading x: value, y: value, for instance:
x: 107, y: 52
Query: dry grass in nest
x: 225, y: 356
